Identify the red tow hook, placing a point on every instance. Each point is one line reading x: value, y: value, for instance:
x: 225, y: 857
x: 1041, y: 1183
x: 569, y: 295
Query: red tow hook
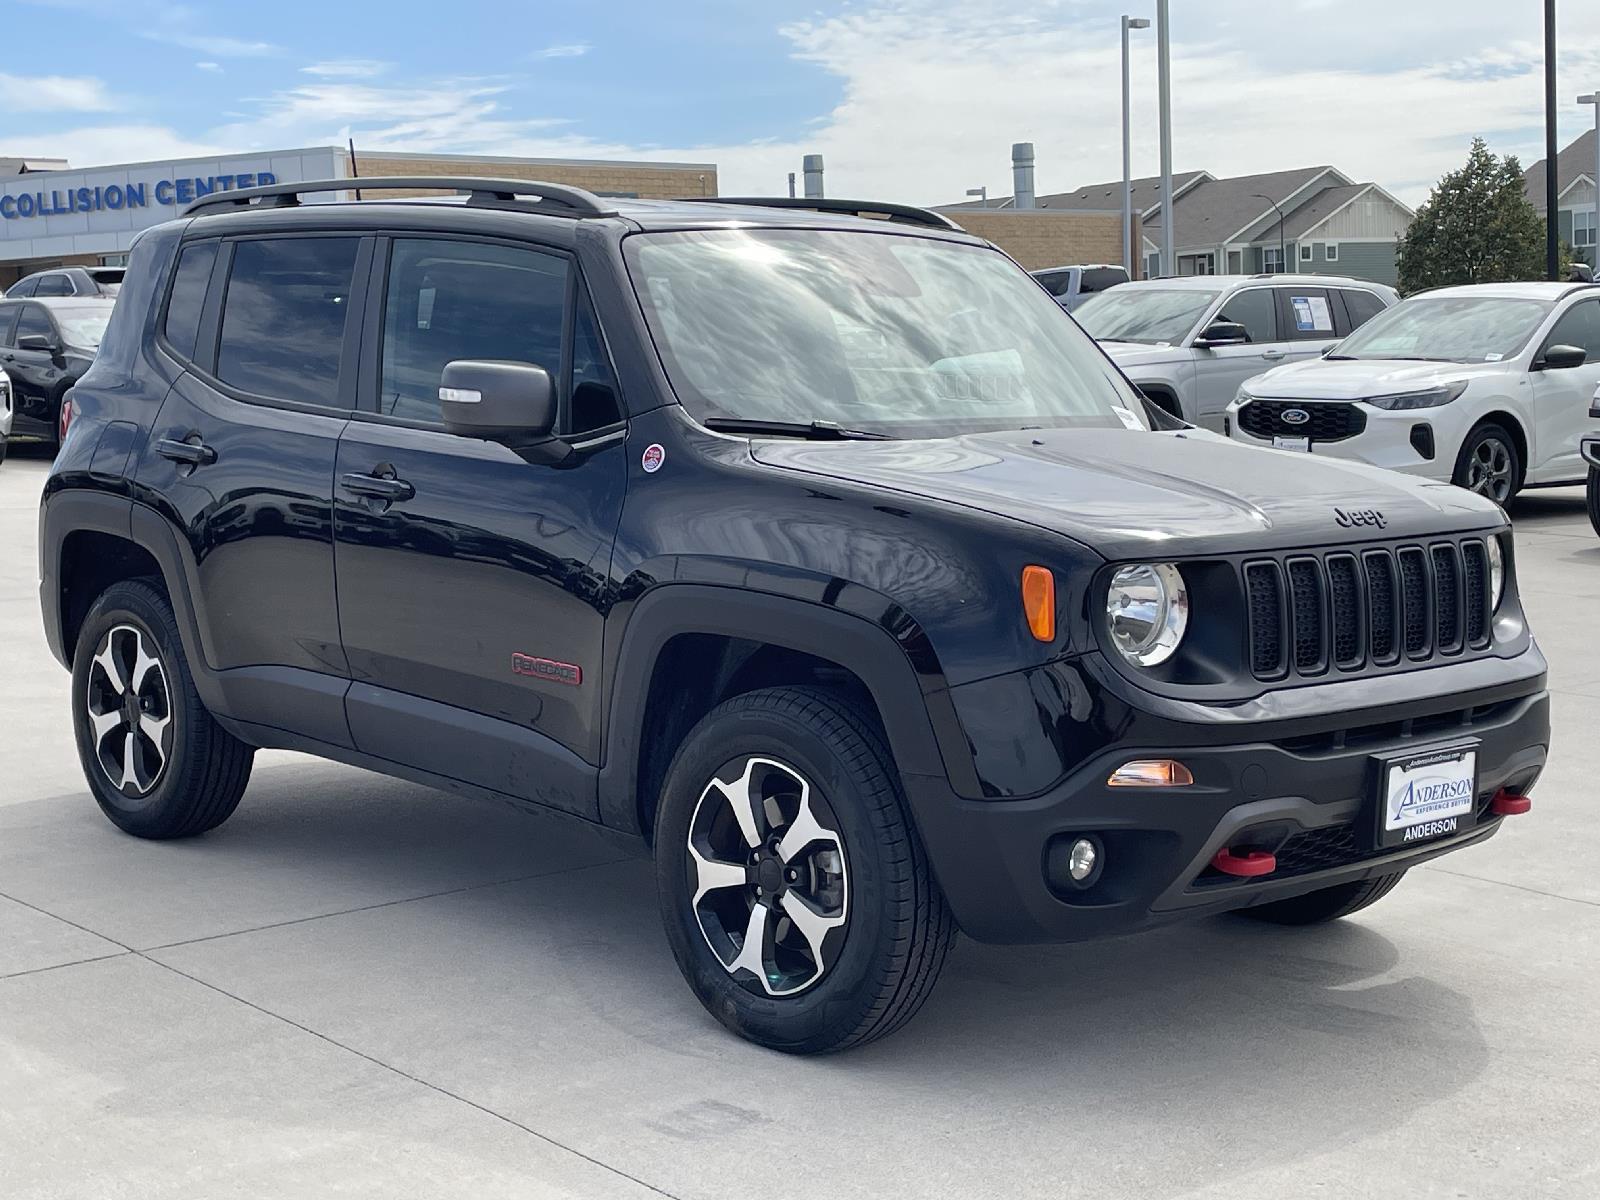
x: 1509, y: 804
x: 1247, y: 865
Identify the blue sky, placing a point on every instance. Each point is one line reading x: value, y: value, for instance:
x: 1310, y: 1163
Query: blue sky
x: 907, y: 99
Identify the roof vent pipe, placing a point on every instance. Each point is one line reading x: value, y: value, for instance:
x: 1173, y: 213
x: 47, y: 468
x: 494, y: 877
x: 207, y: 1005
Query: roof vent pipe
x: 812, y: 166
x: 1022, y: 175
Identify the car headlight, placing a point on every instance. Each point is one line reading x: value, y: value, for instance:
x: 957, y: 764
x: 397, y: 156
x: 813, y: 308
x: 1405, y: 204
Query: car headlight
x: 1147, y: 611
x: 1497, y: 573
x: 1406, y: 401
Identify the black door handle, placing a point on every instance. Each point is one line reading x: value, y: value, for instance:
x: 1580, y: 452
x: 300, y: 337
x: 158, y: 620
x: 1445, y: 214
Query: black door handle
x: 192, y: 451
x: 378, y: 487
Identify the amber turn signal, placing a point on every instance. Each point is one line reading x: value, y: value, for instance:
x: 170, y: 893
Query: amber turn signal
x: 1039, y: 602
x: 1151, y: 772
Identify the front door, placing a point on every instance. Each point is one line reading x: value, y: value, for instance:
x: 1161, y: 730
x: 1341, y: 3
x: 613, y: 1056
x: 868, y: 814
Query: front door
x: 472, y: 583
x: 1561, y: 399
x: 1220, y: 370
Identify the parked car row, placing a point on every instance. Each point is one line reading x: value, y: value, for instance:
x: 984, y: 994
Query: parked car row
x: 46, y: 346
x: 67, y: 281
x: 1486, y: 386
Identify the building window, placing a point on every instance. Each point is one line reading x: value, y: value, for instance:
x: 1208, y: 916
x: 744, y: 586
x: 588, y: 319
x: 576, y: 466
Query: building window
x: 1583, y: 227
x: 1305, y: 251
x: 1272, y: 260
x: 1332, y: 251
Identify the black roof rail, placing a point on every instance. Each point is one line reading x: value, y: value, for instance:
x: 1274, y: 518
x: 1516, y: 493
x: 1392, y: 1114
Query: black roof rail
x: 555, y: 198
x: 904, y: 213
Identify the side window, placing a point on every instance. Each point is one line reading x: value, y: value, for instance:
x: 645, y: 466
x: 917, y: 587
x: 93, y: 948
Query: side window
x: 283, y: 317
x: 594, y: 390
x: 1057, y: 283
x: 36, y: 321
x: 188, y: 296
x: 8, y: 323
x: 23, y: 287
x: 1305, y: 315
x: 58, y: 283
x: 1362, y: 307
x: 1580, y: 326
x: 1252, y: 308
x: 450, y: 300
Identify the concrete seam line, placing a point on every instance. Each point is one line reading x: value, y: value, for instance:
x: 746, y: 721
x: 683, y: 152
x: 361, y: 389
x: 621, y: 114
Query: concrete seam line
x: 77, y: 962
x: 1521, y: 887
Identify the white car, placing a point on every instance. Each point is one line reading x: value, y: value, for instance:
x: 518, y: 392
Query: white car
x: 1189, y: 343
x: 7, y: 404
x: 1486, y: 386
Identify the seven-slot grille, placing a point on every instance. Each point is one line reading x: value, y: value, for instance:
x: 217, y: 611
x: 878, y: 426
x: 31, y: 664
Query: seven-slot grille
x: 1326, y: 422
x: 1348, y: 610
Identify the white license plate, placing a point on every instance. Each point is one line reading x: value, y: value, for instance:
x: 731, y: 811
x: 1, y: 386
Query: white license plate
x: 1427, y: 795
x: 1288, y: 443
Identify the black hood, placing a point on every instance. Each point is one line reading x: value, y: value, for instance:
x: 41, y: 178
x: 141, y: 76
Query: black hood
x: 1129, y: 494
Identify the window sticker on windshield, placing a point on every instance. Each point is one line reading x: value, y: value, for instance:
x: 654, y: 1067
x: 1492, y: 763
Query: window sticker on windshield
x: 1311, y: 314
x: 1495, y: 357
x: 1126, y: 417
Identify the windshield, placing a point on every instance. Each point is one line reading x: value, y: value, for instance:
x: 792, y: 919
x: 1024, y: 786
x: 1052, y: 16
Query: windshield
x: 82, y: 329
x: 906, y: 336
x: 1467, y: 329
x: 1152, y: 316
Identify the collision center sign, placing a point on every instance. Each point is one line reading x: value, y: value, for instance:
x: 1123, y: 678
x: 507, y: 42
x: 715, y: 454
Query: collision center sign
x: 113, y: 196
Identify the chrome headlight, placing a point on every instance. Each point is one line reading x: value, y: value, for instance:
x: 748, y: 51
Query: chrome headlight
x: 1497, y: 573
x: 1406, y: 401
x: 1147, y: 611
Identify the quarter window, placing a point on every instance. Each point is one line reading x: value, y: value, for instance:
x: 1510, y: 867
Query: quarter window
x: 453, y: 300
x: 188, y: 296
x: 283, y: 317
x: 1362, y: 307
x: 594, y: 390
x: 1252, y: 308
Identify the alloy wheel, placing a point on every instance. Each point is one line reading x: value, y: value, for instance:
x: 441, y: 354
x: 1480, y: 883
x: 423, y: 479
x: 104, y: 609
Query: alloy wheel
x: 767, y: 875
x: 1489, y: 470
x: 129, y: 711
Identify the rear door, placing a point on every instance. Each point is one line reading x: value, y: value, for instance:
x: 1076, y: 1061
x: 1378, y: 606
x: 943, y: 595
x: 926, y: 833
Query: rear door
x: 472, y: 585
x: 1220, y: 370
x: 1561, y: 398
x: 243, y: 452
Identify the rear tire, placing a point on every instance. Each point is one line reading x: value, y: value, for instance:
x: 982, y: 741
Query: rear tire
x: 1315, y: 908
x: 1592, y: 496
x: 826, y: 830
x: 1489, y: 463
x: 157, y: 762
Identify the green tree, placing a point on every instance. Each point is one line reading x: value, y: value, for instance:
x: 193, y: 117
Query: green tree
x: 1476, y: 227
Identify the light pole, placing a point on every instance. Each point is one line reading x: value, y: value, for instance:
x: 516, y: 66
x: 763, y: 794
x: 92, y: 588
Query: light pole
x: 1127, y: 151
x: 983, y: 193
x: 1283, y: 251
x: 1552, y: 244
x: 1164, y: 68
x: 1594, y: 234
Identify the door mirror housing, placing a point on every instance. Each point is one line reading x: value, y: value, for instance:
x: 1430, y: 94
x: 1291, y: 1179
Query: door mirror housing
x: 1222, y: 333
x: 1561, y: 358
x: 513, y: 403
x: 37, y: 341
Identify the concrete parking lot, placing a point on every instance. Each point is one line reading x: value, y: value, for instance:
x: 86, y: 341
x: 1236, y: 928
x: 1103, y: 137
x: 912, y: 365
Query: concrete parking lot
x: 358, y: 987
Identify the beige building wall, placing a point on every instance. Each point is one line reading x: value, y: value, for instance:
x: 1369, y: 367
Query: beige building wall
x: 1039, y: 238
x: 650, y: 181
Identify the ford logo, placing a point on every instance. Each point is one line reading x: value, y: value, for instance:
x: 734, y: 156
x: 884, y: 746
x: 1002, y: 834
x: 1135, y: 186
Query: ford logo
x: 1295, y: 416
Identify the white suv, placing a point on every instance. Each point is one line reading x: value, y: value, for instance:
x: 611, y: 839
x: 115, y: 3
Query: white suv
x: 1189, y: 343
x: 1486, y: 386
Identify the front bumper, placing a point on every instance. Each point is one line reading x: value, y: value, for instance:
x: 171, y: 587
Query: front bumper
x: 1390, y: 439
x: 1305, y: 787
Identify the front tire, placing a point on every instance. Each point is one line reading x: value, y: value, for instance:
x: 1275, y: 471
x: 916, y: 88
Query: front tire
x: 1489, y: 463
x: 157, y: 762
x: 782, y: 820
x: 1315, y: 908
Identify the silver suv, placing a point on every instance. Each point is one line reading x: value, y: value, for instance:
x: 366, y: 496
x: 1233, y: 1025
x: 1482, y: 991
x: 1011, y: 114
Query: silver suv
x: 1189, y: 343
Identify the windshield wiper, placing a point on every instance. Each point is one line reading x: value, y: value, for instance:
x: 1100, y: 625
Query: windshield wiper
x: 817, y: 431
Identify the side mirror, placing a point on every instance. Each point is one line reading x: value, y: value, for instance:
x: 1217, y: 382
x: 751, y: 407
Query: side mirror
x: 1561, y: 358
x: 1222, y: 333
x: 513, y: 403
x: 37, y: 341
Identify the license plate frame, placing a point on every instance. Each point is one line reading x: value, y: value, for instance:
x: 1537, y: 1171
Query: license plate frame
x: 1408, y: 820
x: 1298, y: 445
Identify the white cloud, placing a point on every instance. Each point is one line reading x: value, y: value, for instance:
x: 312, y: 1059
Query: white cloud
x: 53, y: 93
x: 564, y: 50
x: 347, y: 68
x: 214, y: 68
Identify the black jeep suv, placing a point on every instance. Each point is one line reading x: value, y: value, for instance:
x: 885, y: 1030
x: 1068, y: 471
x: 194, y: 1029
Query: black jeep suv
x: 811, y: 545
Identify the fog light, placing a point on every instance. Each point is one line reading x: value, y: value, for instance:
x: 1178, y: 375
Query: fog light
x: 1082, y: 860
x: 1151, y: 772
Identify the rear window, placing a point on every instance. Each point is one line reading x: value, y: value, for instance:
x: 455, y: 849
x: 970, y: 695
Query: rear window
x: 188, y: 296
x: 54, y: 285
x: 283, y: 317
